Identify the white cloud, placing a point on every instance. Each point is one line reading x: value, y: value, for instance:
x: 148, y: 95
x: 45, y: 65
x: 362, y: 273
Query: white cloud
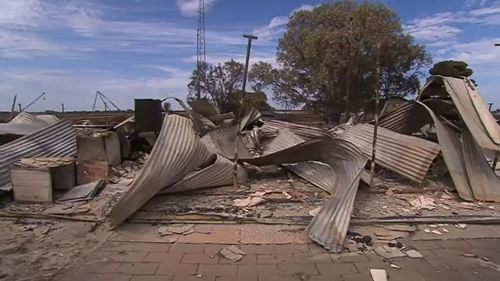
x: 304, y: 7
x: 190, y: 7
x: 485, y: 11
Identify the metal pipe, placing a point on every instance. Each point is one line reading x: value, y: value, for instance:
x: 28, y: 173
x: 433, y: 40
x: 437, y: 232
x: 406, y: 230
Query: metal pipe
x: 375, y: 128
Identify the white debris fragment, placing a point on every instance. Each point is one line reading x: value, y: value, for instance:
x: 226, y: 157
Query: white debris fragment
x: 231, y: 253
x: 414, y: 254
x: 395, y: 266
x: 445, y: 230
x: 460, y: 225
x: 426, y: 230
x: 199, y: 275
x: 314, y: 211
x: 378, y: 274
x: 422, y: 202
x: 183, y: 229
x: 435, y: 231
x: 389, y: 252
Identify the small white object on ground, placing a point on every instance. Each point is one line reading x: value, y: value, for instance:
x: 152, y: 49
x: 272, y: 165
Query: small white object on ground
x: 435, y: 231
x: 414, y: 254
x: 232, y: 253
x: 378, y: 274
x: 460, y: 225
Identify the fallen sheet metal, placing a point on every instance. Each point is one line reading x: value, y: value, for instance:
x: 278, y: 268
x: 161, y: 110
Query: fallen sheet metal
x: 317, y: 173
x: 223, y: 142
x: 452, y: 154
x: 82, y: 192
x: 219, y: 173
x: 58, y: 140
x: 329, y: 227
x: 472, y: 108
x: 485, y: 184
x: 285, y: 139
x: 408, y: 156
x: 403, y: 119
x: 25, y: 124
x: 177, y: 152
x: 303, y: 131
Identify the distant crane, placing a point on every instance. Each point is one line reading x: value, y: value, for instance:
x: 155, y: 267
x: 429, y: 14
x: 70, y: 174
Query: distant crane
x: 200, y: 46
x: 104, y: 100
x: 42, y: 95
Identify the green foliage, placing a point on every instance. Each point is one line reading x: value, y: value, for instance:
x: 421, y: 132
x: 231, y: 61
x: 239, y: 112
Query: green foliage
x: 451, y: 68
x: 332, y: 50
x: 222, y: 83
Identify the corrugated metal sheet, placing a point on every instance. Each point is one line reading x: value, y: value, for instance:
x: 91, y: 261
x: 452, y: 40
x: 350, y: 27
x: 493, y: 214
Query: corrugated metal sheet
x: 329, y: 227
x: 408, y: 156
x: 25, y: 124
x: 177, y: 152
x: 306, y: 132
x: 223, y: 140
x: 404, y: 119
x: 52, y: 141
x: 219, y: 173
x: 452, y: 154
x: 283, y: 140
x: 485, y: 184
x: 471, y: 107
x: 319, y: 174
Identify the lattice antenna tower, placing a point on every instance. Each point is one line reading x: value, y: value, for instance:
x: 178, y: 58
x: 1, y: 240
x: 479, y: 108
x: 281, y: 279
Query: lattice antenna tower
x: 200, y: 46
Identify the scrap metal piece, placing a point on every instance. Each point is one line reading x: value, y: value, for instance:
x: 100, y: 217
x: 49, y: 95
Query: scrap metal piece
x: 285, y: 139
x: 223, y: 142
x: 219, y: 173
x: 329, y: 227
x: 408, y: 156
x: 471, y: 106
x: 317, y: 173
x: 485, y: 184
x: 303, y: 131
x: 25, y: 124
x: 402, y: 119
x: 58, y: 140
x: 177, y: 152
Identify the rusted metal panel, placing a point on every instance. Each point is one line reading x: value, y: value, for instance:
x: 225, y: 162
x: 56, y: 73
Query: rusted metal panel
x: 177, y: 152
x: 472, y: 108
x: 57, y: 140
x: 408, y: 156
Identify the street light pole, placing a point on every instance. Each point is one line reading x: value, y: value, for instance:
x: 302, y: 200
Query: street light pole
x: 238, y: 132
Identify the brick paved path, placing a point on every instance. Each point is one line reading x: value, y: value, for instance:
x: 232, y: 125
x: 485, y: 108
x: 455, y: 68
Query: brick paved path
x: 117, y: 261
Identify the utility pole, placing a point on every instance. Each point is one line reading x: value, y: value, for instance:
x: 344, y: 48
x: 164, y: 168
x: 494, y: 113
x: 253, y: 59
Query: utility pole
x: 375, y: 127
x: 245, y: 73
x: 13, y: 107
x: 62, y: 107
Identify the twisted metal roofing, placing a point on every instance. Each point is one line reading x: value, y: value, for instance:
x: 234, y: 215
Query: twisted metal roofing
x: 408, y: 156
x: 53, y: 141
x: 25, y: 124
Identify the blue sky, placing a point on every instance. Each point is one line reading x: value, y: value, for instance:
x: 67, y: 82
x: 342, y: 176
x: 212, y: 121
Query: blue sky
x: 146, y: 48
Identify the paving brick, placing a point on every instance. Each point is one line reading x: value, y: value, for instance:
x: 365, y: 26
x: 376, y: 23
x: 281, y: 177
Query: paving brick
x: 237, y: 278
x: 274, y: 259
x: 316, y: 249
x: 292, y: 249
x: 128, y: 256
x: 258, y: 249
x: 336, y: 269
x: 454, y: 244
x: 164, y: 257
x: 366, y: 266
x: 419, y: 265
x: 434, y: 275
x: 152, y: 278
x: 364, y: 276
x: 349, y: 257
x: 135, y: 246
x: 325, y: 278
x: 214, y: 248
x: 405, y: 275
x: 448, y: 253
x: 187, y: 248
x: 256, y: 270
x: 247, y: 259
x: 218, y: 269
x: 100, y: 267
x: 138, y: 268
x: 277, y: 277
x: 184, y: 269
x: 200, y: 258
x: 316, y: 258
x: 294, y: 269
x: 98, y: 277
x: 206, y: 277
x: 483, y: 243
x: 424, y: 245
